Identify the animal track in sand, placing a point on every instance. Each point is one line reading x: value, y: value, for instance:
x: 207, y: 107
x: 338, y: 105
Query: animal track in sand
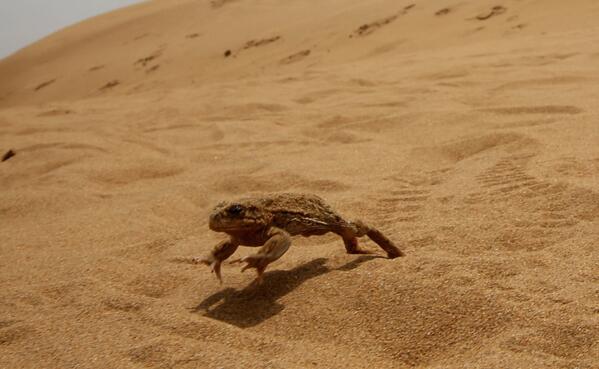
x: 550, y: 210
x: 44, y: 84
x: 110, y: 85
x: 574, y: 167
x: 368, y: 28
x: 258, y: 43
x: 405, y: 201
x: 55, y: 112
x: 144, y: 61
x: 509, y: 175
x: 153, y: 68
x: 140, y: 37
x: 443, y: 11
x: 495, y: 11
x: 295, y: 57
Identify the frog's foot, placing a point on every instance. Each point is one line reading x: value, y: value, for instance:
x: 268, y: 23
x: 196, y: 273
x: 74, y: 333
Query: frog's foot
x: 215, y: 257
x: 213, y: 264
x: 257, y: 261
x: 273, y: 249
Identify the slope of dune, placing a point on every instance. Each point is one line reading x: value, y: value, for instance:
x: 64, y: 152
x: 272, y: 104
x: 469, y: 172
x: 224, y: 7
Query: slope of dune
x: 465, y: 130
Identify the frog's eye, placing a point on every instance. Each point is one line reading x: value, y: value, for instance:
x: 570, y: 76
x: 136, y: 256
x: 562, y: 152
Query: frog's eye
x: 235, y: 209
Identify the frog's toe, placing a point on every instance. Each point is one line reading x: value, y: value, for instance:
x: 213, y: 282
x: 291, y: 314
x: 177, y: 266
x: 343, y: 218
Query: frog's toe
x: 216, y: 270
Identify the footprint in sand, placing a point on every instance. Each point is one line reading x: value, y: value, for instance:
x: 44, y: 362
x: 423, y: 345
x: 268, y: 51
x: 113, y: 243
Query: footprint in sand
x: 576, y: 168
x: 368, y: 28
x: 295, y: 57
x: 495, y: 11
x: 442, y: 12
x: 95, y: 68
x: 44, y: 84
x: 110, y: 85
x: 143, y: 62
x: 55, y: 112
x: 142, y: 36
x: 252, y: 44
x: 551, y: 209
x: 153, y: 68
x: 257, y: 43
x: 406, y: 200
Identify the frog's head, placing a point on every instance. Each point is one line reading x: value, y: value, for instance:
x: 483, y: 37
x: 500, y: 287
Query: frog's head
x: 238, y: 216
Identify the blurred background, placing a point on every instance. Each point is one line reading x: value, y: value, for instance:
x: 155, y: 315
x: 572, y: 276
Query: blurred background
x: 25, y: 21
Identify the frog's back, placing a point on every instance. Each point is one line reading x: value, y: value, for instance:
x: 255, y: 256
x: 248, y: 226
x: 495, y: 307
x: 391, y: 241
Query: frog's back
x: 300, y: 213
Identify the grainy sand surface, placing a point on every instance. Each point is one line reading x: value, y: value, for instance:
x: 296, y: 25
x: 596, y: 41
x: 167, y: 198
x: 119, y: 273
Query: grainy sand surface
x: 468, y: 131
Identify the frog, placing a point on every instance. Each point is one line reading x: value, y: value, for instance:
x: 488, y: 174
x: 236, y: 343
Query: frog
x: 270, y: 221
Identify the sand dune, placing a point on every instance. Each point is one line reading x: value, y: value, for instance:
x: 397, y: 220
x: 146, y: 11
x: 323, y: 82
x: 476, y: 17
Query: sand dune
x: 465, y: 130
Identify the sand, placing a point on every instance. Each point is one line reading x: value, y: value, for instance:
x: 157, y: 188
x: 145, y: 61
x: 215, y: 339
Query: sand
x: 465, y: 130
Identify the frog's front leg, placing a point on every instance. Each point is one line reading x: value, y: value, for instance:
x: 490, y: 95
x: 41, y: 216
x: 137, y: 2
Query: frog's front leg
x: 277, y: 244
x: 219, y: 253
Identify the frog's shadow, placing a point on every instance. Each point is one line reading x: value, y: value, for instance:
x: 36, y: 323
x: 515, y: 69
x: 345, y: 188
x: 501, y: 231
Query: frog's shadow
x: 254, y: 304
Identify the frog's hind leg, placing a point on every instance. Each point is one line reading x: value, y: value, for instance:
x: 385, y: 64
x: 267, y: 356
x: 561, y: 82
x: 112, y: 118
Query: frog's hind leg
x: 357, y: 229
x: 350, y: 239
x: 277, y: 244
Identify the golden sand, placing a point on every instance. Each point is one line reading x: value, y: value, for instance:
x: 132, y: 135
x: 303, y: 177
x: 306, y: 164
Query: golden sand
x: 467, y: 131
